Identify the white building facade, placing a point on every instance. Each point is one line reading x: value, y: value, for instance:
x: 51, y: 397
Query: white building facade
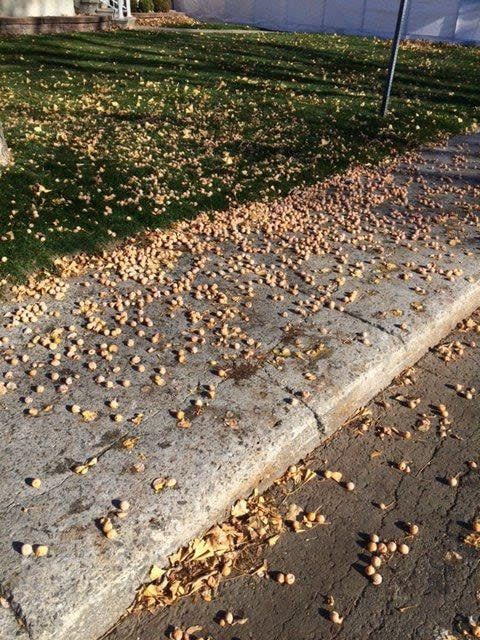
x: 120, y: 9
x: 36, y: 8
x: 444, y: 20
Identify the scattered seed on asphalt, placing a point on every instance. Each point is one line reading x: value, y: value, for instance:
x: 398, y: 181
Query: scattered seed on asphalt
x: 336, y: 618
x: 377, y: 579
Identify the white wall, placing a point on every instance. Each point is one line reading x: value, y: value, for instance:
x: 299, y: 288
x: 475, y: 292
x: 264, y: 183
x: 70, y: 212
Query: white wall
x: 445, y: 20
x: 36, y: 8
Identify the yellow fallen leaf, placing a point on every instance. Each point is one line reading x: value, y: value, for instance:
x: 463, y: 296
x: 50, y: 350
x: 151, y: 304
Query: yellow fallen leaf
x: 177, y: 557
x: 473, y: 540
x: 201, y: 550
x: 129, y: 443
x: 309, y: 475
x: 89, y: 416
x: 334, y: 475
x: 174, y: 587
x: 80, y: 469
x: 137, y: 419
x: 239, y: 509
x: 156, y: 572
x: 150, y: 591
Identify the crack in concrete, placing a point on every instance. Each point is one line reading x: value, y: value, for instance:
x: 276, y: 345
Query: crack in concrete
x: 435, y: 451
x: 320, y: 424
x: 375, y: 325
x: 353, y: 606
x: 15, y: 609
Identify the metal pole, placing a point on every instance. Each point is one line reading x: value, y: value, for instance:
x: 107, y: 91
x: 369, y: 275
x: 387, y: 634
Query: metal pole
x: 402, y: 11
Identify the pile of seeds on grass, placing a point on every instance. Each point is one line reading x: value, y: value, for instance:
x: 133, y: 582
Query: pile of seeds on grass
x: 167, y: 19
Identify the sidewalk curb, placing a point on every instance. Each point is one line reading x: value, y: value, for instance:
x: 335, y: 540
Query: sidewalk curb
x: 238, y: 471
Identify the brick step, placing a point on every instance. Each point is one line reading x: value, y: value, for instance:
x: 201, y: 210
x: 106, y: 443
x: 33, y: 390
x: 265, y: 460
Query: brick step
x: 54, y: 24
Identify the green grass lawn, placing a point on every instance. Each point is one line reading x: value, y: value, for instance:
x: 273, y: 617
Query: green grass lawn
x: 116, y: 132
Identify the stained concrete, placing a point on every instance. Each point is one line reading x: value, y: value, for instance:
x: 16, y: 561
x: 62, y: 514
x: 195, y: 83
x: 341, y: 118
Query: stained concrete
x: 265, y: 415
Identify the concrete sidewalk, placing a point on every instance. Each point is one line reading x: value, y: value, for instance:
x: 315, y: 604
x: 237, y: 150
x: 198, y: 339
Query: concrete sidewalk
x: 197, y: 30
x: 214, y: 355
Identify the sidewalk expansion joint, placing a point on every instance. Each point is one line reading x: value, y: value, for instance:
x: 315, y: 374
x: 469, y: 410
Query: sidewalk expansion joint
x: 375, y: 325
